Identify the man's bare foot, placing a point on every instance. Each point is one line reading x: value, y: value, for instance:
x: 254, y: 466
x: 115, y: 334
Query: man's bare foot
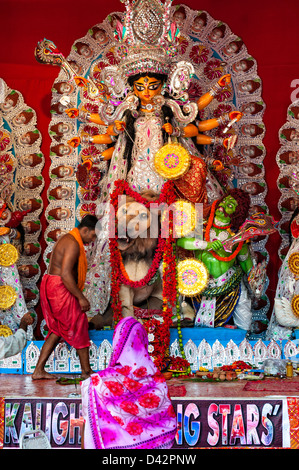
x: 43, y: 375
x: 86, y: 375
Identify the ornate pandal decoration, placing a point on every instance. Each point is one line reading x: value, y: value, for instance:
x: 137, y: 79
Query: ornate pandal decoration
x: 146, y: 21
x: 179, y: 79
x: 17, y: 172
x: 111, y: 114
x: 114, y: 81
x: 190, y: 109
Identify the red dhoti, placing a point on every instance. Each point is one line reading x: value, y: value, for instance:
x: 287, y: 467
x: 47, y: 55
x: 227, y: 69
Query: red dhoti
x: 63, y: 313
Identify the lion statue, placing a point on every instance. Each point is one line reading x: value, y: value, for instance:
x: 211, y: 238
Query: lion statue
x: 138, y: 231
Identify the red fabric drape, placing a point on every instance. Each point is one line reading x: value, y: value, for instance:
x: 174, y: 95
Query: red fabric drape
x: 268, y: 28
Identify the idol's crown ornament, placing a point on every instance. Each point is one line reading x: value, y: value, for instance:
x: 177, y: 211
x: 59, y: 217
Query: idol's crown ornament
x: 147, y: 39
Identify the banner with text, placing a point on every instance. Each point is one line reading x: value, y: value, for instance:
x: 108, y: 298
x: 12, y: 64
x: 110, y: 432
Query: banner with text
x: 202, y: 423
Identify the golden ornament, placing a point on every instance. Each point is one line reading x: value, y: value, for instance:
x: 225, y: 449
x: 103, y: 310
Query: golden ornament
x: 8, y: 297
x: 295, y: 305
x: 5, y: 331
x: 193, y: 277
x: 184, y: 218
x: 8, y: 254
x: 172, y: 161
x: 293, y: 263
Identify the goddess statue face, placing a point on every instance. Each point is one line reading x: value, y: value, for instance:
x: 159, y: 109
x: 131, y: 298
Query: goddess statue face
x: 146, y: 88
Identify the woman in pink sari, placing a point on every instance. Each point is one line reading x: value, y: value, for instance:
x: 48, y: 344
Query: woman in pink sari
x: 127, y: 405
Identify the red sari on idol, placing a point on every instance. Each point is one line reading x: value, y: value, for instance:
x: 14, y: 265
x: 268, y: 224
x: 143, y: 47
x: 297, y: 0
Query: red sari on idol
x: 127, y: 405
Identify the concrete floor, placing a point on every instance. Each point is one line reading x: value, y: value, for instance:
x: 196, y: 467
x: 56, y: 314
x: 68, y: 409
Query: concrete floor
x: 12, y: 386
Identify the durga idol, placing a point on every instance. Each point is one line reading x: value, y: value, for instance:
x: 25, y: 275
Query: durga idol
x: 148, y: 103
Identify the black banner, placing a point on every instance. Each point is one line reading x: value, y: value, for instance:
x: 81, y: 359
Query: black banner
x: 209, y: 423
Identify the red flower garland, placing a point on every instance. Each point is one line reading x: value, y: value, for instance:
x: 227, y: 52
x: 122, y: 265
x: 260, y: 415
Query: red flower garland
x: 151, y: 272
x: 161, y: 338
x: 165, y: 249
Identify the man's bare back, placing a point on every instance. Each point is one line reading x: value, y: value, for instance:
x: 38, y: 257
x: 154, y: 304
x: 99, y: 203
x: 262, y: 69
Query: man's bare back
x: 64, y: 263
x: 65, y: 246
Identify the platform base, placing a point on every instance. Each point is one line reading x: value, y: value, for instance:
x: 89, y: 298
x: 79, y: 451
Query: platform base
x: 203, y: 347
x: 209, y: 414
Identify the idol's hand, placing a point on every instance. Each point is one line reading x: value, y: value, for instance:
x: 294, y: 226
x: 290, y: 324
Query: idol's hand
x: 218, y: 165
x: 110, y: 129
x: 72, y: 112
x: 119, y: 126
x: 168, y: 128
x: 230, y: 142
x: 80, y: 81
x: 116, y: 128
x: 190, y: 131
x: 224, y: 80
x: 235, y: 115
x: 74, y: 142
x: 215, y: 245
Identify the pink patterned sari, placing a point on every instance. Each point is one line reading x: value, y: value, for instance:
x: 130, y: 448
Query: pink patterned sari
x: 127, y: 405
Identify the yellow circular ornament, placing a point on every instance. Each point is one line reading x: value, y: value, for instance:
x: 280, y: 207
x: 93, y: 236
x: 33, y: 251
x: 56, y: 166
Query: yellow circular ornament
x: 5, y: 331
x: 295, y: 305
x: 8, y: 297
x: 293, y: 263
x: 172, y: 161
x: 184, y: 218
x: 8, y: 254
x: 193, y: 277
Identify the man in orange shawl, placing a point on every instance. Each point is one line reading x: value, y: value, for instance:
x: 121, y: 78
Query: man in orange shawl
x: 62, y: 300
